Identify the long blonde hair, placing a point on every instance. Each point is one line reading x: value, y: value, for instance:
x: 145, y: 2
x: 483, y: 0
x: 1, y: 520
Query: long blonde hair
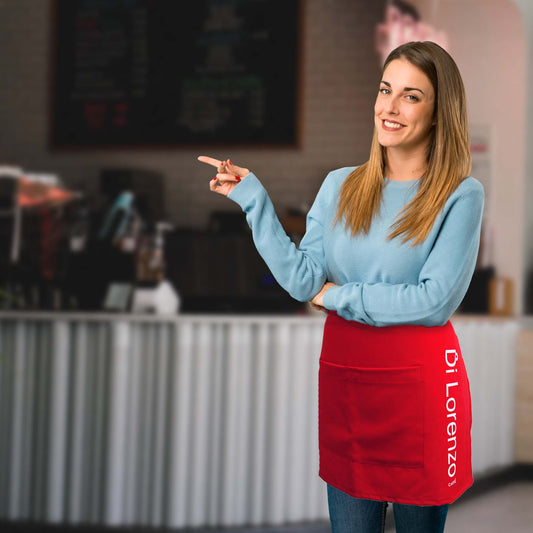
x: 448, y: 155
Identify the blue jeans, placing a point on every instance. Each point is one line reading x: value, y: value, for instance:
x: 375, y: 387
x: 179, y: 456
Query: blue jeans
x: 354, y: 515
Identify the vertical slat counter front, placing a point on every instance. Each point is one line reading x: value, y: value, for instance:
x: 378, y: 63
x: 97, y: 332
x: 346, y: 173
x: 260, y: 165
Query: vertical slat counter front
x: 191, y: 420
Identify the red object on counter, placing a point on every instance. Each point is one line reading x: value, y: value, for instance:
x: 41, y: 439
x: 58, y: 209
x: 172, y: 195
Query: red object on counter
x: 33, y: 194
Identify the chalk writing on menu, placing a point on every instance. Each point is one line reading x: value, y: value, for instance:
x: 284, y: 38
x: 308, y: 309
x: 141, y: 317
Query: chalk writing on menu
x: 146, y: 72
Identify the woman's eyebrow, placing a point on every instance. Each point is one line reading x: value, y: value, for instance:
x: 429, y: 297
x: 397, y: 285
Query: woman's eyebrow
x: 405, y: 88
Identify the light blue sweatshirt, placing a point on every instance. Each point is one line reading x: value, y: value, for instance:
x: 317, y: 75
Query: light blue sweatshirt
x: 379, y: 282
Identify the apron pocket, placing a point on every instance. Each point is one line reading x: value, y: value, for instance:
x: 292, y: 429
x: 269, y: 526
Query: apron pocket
x: 372, y: 415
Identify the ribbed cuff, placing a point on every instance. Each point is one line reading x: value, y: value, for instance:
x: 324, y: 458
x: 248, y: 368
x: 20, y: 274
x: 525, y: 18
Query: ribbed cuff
x: 245, y: 189
x: 330, y: 298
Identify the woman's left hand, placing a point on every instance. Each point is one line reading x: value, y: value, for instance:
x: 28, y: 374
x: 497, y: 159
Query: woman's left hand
x: 318, y: 299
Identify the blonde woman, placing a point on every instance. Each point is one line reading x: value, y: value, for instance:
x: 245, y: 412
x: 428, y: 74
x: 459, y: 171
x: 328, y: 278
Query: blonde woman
x: 389, y: 251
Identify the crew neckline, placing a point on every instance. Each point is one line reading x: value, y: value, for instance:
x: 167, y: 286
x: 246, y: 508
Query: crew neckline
x: 402, y: 182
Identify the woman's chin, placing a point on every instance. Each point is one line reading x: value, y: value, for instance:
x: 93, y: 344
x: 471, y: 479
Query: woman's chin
x: 387, y: 143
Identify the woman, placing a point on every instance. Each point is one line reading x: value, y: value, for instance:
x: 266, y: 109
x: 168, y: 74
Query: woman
x: 389, y: 251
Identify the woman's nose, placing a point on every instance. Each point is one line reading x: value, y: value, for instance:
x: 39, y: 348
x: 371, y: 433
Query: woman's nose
x: 391, y: 105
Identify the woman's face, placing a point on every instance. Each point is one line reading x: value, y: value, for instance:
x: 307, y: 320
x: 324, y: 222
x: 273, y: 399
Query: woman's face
x: 403, y: 112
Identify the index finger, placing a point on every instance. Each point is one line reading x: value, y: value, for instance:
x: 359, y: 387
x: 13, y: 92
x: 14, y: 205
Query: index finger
x: 210, y: 161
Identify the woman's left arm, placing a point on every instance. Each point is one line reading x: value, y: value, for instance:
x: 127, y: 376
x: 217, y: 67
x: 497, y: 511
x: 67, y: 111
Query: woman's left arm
x: 442, y: 282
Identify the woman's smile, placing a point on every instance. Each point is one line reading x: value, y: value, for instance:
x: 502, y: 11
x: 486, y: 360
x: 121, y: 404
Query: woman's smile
x: 390, y: 125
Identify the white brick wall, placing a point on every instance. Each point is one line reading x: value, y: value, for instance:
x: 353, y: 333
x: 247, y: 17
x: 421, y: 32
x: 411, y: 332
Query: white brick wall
x: 339, y: 80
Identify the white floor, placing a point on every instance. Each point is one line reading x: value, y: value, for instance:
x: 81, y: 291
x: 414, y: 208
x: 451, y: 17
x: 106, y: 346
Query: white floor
x: 505, y: 508
x: 508, y: 509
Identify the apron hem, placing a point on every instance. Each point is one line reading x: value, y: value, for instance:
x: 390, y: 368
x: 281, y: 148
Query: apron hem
x: 394, y: 499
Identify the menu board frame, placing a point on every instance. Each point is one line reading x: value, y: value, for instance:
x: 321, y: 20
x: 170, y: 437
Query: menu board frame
x: 65, y: 134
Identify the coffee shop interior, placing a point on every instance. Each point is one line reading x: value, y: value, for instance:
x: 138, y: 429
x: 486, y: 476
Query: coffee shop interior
x: 153, y: 374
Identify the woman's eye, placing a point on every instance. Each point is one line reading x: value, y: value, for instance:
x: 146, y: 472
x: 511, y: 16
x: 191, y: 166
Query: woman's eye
x: 384, y: 90
x: 412, y: 97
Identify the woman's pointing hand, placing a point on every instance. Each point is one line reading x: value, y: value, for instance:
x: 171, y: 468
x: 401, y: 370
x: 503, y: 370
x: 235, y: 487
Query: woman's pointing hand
x: 227, y: 177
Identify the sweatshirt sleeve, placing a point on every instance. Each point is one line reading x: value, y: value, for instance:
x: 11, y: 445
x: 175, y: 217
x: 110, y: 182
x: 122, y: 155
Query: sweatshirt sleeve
x: 442, y: 282
x: 299, y: 270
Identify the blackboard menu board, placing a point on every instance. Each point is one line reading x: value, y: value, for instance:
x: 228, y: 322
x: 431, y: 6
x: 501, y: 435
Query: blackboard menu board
x: 175, y: 72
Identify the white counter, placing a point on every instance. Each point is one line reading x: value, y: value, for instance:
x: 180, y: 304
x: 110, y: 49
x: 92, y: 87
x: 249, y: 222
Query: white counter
x: 191, y: 420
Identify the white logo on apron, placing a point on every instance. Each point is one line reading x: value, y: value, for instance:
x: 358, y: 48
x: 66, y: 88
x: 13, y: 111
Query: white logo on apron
x: 451, y: 357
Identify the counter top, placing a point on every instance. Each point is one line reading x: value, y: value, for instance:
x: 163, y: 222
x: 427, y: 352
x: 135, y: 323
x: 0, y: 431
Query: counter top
x: 524, y: 321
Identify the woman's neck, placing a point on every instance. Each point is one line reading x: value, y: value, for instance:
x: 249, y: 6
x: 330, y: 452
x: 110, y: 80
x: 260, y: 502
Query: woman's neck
x: 403, y: 166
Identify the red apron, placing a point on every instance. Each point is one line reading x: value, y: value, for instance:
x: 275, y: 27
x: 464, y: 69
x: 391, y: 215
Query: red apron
x: 394, y: 412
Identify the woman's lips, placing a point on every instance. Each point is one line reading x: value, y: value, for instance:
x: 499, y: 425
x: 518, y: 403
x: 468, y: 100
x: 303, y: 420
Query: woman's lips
x: 390, y: 125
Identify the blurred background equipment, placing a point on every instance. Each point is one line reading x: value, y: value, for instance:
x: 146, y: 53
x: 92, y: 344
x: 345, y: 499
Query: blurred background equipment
x: 147, y: 185
x: 9, y: 217
x: 32, y: 264
x: 219, y: 270
x: 116, y: 252
x: 126, y: 243
x: 65, y: 251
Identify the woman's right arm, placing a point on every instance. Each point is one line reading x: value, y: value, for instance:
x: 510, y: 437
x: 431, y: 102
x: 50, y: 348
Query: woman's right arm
x: 301, y: 271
